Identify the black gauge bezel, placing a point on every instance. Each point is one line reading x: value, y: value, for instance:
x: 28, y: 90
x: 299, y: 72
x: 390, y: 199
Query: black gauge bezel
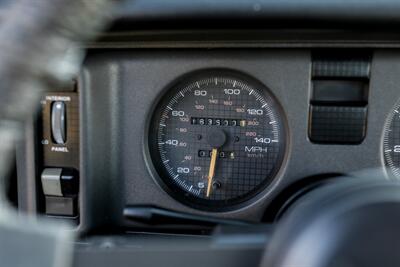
x: 158, y: 170
x: 388, y: 124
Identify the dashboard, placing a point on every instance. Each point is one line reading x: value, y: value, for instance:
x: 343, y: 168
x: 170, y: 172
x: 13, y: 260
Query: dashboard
x: 193, y: 129
x: 161, y: 114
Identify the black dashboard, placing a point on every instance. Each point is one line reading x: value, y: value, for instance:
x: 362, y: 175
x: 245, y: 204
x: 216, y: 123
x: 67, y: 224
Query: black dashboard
x: 115, y: 110
x: 229, y: 110
x: 328, y: 102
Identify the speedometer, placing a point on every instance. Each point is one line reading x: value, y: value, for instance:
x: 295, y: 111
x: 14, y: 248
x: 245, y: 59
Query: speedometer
x: 217, y: 139
x: 391, y: 141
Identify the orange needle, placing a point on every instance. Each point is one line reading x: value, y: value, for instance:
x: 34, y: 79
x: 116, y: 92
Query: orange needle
x: 211, y: 171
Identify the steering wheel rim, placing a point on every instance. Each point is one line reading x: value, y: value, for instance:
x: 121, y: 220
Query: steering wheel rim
x: 40, y: 50
x: 322, y: 228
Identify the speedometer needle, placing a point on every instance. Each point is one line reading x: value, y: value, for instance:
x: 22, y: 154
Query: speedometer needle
x: 211, y: 171
x: 216, y: 139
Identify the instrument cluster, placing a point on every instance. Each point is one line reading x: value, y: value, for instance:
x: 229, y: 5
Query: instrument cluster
x: 227, y: 132
x: 219, y: 137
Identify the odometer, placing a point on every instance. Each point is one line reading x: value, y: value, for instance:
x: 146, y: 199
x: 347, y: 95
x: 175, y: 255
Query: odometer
x: 217, y: 139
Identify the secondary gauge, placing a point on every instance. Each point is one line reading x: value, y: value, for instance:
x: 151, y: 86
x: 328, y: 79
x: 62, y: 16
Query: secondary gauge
x: 217, y: 138
x: 391, y: 141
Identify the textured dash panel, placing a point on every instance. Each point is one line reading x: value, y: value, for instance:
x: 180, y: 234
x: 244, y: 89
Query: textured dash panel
x: 337, y: 124
x: 341, y: 68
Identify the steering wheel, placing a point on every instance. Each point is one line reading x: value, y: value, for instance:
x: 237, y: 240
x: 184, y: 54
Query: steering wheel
x: 351, y: 222
x: 39, y: 50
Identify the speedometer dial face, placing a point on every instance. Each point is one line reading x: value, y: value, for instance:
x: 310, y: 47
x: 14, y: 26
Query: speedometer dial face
x: 391, y: 141
x: 217, y: 139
